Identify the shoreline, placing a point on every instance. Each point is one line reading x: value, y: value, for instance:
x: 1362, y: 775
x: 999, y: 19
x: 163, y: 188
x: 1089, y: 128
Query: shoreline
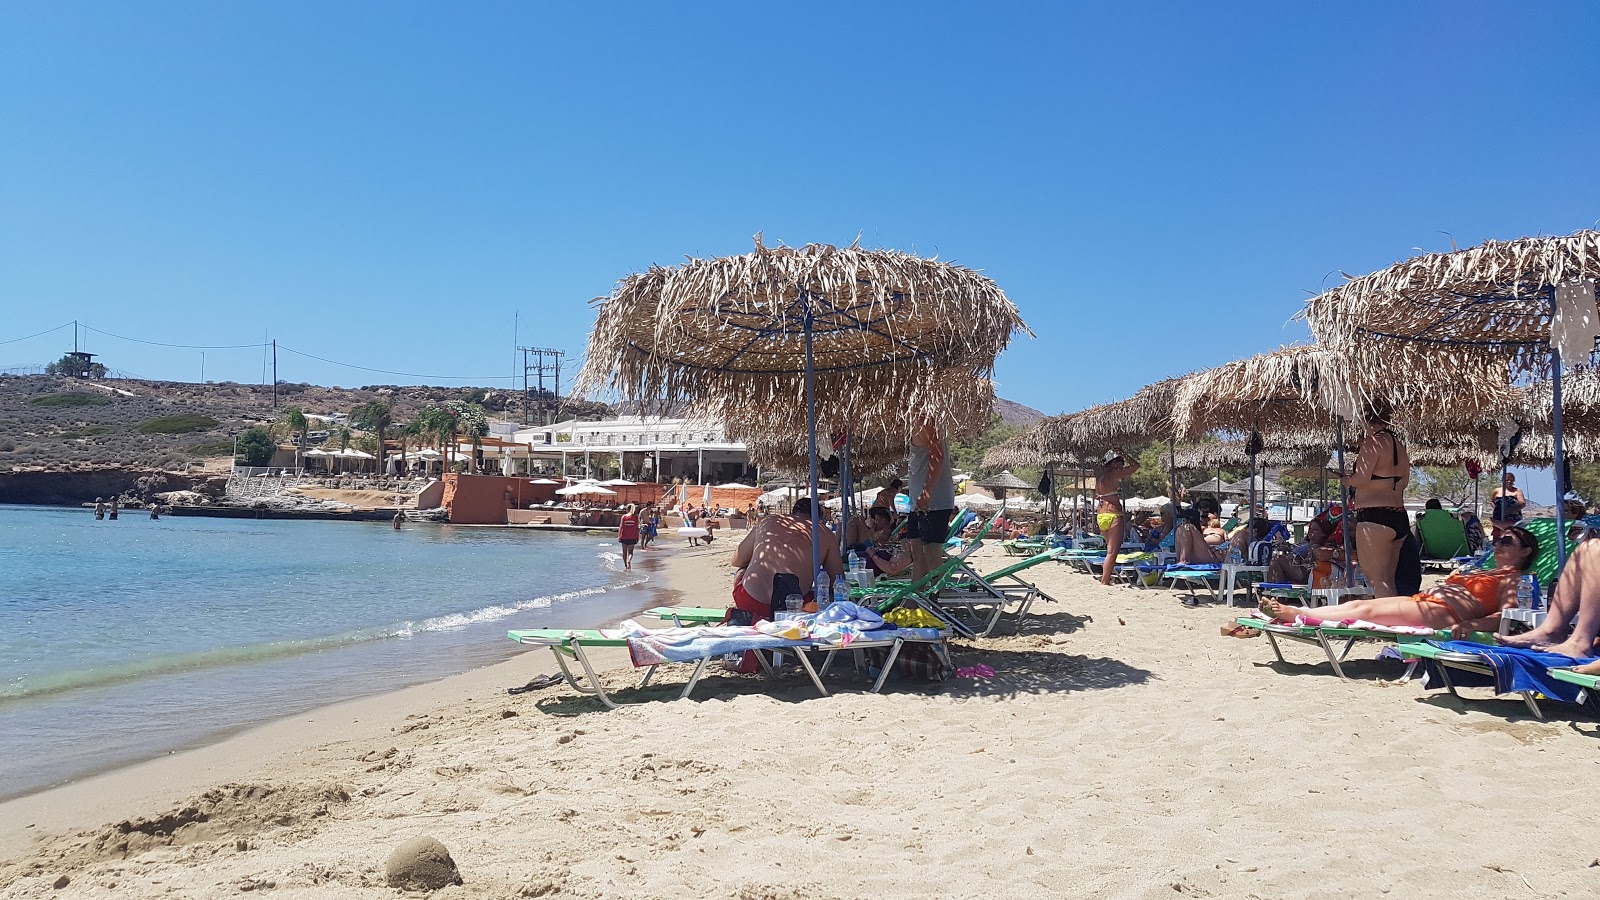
x: 125, y: 789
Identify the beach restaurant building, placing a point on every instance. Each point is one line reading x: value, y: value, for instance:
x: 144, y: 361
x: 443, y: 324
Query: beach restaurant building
x: 638, y: 448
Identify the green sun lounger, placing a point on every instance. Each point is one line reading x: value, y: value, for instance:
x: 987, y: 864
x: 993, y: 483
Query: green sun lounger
x: 686, y: 616
x: 1466, y: 662
x: 571, y: 645
x: 996, y: 591
x: 1324, y: 635
x: 1587, y: 682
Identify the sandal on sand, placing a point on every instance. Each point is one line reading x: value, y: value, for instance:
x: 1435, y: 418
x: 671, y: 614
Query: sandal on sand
x: 537, y: 684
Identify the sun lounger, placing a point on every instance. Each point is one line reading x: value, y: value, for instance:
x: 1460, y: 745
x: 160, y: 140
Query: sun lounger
x: 994, y: 591
x: 1322, y: 635
x: 1509, y: 670
x: 572, y: 645
x: 1192, y: 576
x: 682, y: 616
x: 1585, y: 683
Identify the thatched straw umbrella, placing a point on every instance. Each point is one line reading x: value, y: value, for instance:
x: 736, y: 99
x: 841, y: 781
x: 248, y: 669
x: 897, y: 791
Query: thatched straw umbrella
x: 888, y: 339
x: 1523, y: 302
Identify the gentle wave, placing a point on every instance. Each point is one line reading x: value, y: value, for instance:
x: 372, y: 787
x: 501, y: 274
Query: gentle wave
x: 59, y: 682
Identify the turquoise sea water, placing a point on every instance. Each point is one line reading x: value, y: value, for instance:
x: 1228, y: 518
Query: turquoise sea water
x: 124, y: 640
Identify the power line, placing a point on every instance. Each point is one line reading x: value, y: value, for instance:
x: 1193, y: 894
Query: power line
x: 44, y: 332
x: 175, y: 346
x: 287, y: 348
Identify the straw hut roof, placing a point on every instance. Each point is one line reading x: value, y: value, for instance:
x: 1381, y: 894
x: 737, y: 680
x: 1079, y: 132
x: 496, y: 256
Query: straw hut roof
x: 1005, y: 481
x: 1012, y: 453
x: 1145, y: 416
x: 895, y: 338
x: 1232, y: 455
x: 1303, y: 389
x: 1580, y: 404
x: 1492, y: 299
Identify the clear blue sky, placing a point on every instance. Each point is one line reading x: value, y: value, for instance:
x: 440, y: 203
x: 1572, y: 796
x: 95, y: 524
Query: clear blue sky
x: 1157, y: 186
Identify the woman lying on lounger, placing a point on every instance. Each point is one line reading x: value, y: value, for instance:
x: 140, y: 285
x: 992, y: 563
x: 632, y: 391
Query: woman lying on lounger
x: 1463, y: 604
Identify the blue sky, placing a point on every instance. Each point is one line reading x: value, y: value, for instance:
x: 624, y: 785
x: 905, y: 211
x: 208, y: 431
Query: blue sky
x: 1157, y: 186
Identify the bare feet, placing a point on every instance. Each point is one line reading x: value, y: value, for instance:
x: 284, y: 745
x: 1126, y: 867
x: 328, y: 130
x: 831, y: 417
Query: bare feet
x: 1569, y: 647
x: 1278, y: 611
x: 1588, y: 668
x: 1538, y: 637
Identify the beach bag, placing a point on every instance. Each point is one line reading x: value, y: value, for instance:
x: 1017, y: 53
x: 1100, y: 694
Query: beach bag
x: 916, y: 662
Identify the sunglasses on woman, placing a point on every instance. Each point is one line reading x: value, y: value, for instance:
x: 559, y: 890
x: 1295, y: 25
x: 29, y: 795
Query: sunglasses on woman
x: 1507, y: 540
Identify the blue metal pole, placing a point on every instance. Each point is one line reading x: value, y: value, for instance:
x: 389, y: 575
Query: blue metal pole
x: 1561, y: 452
x: 1347, y: 515
x: 847, y: 496
x: 811, y: 444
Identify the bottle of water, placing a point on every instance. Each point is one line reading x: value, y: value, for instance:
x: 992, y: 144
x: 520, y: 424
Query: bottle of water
x: 853, y: 562
x: 820, y: 584
x: 841, y: 591
x: 1234, y: 558
x: 1527, y: 593
x: 1361, y: 580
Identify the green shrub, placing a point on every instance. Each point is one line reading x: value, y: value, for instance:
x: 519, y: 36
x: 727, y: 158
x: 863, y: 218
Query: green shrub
x: 188, y: 423
x: 68, y: 399
x: 256, y: 447
x: 215, y: 448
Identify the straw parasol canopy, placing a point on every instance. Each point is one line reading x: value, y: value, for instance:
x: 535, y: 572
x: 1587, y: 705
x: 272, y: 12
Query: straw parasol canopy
x: 1303, y: 390
x: 895, y: 338
x: 1490, y: 300
x: 1145, y: 416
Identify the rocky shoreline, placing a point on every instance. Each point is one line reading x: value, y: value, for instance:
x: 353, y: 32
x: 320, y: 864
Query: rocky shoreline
x: 83, y: 483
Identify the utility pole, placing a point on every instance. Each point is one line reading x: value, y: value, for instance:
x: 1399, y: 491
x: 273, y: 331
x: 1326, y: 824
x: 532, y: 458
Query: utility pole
x: 275, y: 376
x: 74, y: 335
x: 538, y: 362
x: 202, y: 367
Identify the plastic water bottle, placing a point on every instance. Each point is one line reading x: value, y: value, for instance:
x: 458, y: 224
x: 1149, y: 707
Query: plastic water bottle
x: 853, y: 561
x: 1527, y: 593
x: 820, y: 584
x: 1234, y: 558
x: 841, y: 591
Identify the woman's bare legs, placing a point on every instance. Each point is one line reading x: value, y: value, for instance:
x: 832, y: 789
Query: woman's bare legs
x: 1379, y: 554
x: 1379, y: 611
x: 1113, y: 547
x: 1191, y: 546
x: 1580, y: 581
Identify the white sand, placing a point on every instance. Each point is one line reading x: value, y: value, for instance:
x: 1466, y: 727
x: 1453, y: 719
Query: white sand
x: 1123, y: 750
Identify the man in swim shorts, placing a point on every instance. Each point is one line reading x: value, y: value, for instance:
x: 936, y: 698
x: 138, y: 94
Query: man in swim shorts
x: 933, y: 500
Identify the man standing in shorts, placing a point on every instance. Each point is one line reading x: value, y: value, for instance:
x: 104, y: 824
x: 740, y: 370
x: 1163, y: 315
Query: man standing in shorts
x: 933, y: 500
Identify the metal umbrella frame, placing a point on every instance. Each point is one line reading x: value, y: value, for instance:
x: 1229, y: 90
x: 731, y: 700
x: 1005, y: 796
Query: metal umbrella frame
x: 885, y: 336
x: 1509, y: 302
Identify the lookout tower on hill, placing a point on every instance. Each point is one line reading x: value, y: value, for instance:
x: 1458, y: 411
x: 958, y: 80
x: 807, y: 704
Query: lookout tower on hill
x: 78, y: 364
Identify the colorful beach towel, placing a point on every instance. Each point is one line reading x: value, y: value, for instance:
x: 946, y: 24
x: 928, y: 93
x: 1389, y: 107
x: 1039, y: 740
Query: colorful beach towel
x: 1304, y: 621
x: 1514, y: 669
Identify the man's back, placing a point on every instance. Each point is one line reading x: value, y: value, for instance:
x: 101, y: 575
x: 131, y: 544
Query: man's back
x: 781, y: 544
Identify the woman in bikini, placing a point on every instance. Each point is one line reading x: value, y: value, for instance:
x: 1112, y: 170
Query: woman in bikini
x: 1463, y: 604
x: 1383, y: 469
x: 1109, y: 516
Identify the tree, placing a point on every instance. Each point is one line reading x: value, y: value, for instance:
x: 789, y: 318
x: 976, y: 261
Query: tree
x: 293, y: 418
x: 438, y: 423
x: 375, y: 416
x: 1450, y: 484
x: 967, y: 456
x: 471, y: 420
x: 256, y: 447
x: 1585, y: 480
x: 71, y: 364
x: 405, y: 432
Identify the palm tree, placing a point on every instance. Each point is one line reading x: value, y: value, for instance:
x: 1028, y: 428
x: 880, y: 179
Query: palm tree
x: 293, y: 418
x: 471, y: 420
x: 440, y: 423
x: 405, y: 433
x: 375, y: 416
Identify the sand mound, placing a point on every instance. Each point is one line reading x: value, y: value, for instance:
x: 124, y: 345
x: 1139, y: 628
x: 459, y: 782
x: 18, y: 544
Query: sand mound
x: 231, y: 812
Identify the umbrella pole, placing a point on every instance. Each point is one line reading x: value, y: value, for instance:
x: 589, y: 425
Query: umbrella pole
x: 811, y: 446
x: 847, y: 496
x: 1172, y: 473
x: 1347, y: 520
x: 1561, y: 452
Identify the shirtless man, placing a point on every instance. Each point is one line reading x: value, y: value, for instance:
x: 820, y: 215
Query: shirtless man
x: 779, y: 545
x: 1109, y: 516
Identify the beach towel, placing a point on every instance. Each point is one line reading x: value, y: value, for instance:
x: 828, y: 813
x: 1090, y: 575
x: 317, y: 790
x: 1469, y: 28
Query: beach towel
x: 1303, y: 621
x: 647, y: 647
x: 1514, y: 669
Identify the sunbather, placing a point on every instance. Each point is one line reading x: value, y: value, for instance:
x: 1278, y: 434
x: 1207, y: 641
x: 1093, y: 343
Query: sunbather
x: 1576, y: 594
x: 1464, y: 603
x: 1191, y: 545
x: 1109, y: 515
x: 779, y: 545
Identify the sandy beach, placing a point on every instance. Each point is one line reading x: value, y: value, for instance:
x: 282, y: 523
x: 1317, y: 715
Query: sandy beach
x: 1123, y: 749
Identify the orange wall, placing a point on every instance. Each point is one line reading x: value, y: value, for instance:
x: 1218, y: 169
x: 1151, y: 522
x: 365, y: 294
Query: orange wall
x: 481, y: 499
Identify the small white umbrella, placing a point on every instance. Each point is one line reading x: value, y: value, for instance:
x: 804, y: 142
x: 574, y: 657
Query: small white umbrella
x: 543, y: 481
x: 734, y: 485
x: 317, y: 451
x: 585, y: 489
x: 619, y: 482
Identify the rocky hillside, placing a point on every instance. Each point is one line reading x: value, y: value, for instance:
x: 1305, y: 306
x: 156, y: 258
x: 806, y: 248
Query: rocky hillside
x: 1014, y: 413
x: 65, y: 423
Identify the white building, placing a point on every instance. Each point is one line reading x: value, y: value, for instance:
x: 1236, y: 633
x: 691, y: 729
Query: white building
x: 639, y: 448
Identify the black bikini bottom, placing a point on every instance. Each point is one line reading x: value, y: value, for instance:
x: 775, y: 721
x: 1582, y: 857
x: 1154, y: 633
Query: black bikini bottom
x: 1393, y: 518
